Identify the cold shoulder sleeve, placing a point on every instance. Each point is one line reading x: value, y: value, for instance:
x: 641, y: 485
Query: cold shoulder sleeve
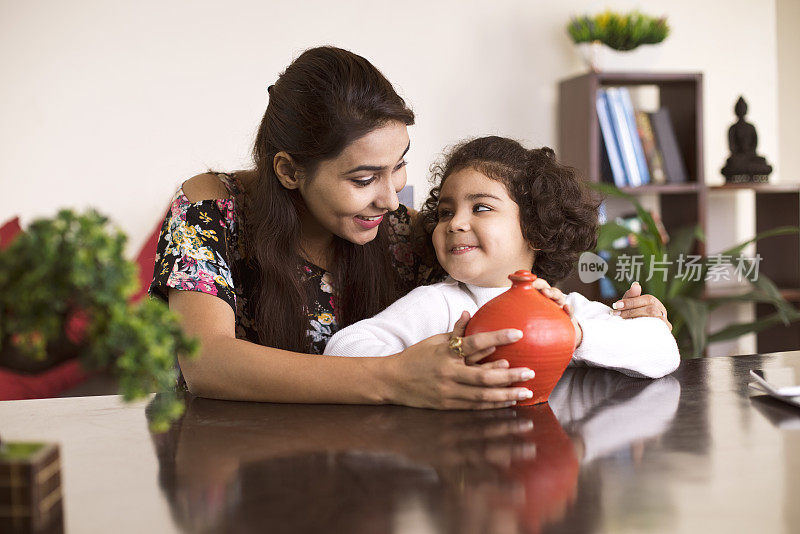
x: 194, y: 249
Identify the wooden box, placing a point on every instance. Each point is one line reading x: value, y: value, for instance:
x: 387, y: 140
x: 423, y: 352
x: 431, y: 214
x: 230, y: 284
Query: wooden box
x: 30, y: 488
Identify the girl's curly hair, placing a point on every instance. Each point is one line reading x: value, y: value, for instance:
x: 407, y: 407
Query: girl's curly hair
x: 558, y: 213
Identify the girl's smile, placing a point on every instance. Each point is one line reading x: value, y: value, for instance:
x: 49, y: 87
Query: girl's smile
x: 462, y: 249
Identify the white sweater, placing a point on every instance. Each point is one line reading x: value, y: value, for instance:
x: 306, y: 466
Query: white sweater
x: 641, y: 347
x: 610, y: 411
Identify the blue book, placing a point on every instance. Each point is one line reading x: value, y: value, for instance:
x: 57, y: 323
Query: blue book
x: 624, y: 138
x: 609, y: 139
x: 638, y: 149
x: 607, y: 289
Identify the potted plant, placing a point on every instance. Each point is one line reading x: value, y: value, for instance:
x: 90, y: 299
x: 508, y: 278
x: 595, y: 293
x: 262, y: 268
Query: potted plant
x: 65, y: 290
x: 606, y: 40
x: 685, y: 297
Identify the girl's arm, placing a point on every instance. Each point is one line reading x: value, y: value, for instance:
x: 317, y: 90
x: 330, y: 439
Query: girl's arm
x: 427, y: 374
x: 641, y: 347
x: 417, y: 316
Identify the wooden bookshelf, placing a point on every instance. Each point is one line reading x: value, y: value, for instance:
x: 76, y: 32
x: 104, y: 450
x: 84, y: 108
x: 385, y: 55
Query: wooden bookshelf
x: 684, y: 204
x: 680, y: 204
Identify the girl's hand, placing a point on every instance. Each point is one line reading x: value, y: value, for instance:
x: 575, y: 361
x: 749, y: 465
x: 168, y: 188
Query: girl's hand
x: 557, y: 296
x: 432, y: 375
x: 634, y: 304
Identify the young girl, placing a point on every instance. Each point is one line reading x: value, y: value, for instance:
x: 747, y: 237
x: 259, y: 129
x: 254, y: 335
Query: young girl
x: 498, y: 208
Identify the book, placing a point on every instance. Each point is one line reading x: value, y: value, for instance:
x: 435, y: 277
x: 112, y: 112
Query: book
x: 651, y: 152
x: 607, y: 289
x: 630, y: 117
x: 623, y: 136
x: 674, y: 166
x: 611, y: 163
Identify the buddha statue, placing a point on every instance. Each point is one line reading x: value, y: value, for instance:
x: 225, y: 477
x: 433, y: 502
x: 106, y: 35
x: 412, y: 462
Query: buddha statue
x: 744, y: 165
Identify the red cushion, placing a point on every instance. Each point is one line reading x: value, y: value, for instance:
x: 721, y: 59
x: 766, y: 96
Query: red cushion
x: 146, y: 260
x: 50, y: 383
x: 8, y: 232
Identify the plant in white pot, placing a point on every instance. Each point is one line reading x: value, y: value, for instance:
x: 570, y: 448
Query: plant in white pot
x: 617, y: 41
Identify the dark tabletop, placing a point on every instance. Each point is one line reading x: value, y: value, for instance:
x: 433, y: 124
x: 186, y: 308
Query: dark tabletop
x: 691, y: 452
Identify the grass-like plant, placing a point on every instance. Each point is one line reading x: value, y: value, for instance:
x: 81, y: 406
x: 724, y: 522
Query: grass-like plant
x: 688, y: 305
x: 618, y: 31
x: 65, y: 287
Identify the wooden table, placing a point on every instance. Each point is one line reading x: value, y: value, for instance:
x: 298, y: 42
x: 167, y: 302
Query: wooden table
x: 692, y: 452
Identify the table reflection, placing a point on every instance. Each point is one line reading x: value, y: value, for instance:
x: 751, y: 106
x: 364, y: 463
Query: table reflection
x: 234, y: 466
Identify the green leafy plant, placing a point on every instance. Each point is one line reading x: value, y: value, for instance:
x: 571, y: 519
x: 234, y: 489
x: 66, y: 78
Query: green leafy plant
x: 65, y: 287
x: 688, y: 305
x: 618, y: 31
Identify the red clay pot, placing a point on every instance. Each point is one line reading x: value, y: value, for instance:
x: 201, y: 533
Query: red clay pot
x: 548, y: 335
x: 550, y: 479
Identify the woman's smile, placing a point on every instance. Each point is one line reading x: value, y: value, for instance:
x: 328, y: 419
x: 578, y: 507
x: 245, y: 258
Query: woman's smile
x: 368, y: 222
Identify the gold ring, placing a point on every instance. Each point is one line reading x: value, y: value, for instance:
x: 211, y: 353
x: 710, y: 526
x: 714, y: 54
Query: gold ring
x: 455, y: 345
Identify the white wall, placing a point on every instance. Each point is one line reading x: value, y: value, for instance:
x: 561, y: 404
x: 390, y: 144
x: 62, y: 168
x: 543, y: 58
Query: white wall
x: 113, y: 104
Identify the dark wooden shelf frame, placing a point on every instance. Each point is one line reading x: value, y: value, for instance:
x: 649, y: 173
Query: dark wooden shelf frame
x: 681, y: 204
x: 684, y: 204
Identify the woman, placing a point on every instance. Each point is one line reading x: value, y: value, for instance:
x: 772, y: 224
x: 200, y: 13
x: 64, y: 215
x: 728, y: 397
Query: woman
x: 265, y: 265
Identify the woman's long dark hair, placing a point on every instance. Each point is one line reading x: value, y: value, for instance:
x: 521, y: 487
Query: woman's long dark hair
x: 326, y: 99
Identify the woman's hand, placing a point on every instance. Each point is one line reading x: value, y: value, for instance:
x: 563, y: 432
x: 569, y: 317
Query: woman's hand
x: 557, y: 296
x: 431, y: 375
x: 634, y: 304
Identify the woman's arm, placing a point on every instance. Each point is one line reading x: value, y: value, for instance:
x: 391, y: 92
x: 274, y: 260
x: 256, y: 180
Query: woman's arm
x: 427, y: 374
x: 234, y: 369
x: 633, y: 304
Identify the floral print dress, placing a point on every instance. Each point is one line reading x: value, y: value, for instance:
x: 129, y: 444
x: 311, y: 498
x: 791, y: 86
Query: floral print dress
x: 201, y: 248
